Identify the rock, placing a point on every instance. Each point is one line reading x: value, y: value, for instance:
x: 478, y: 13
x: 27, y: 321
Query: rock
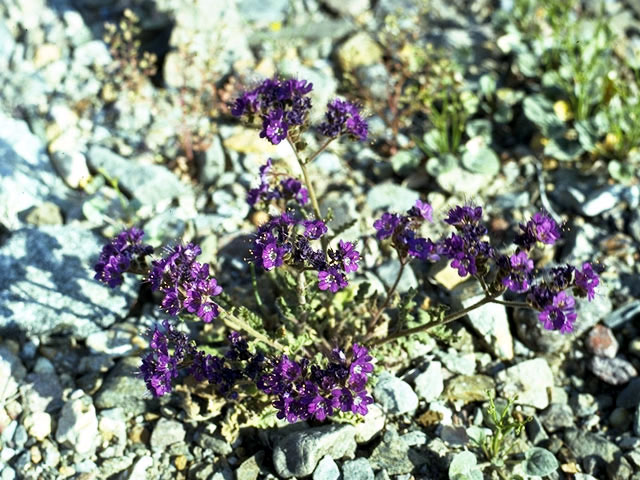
x: 358, y: 469
x: 47, y: 286
x: 602, y: 342
x: 139, y: 470
x: 114, y: 342
x: 72, y: 168
x: 343, y: 207
x: 636, y: 422
x: 343, y: 9
x: 212, y: 163
x: 48, y: 213
x: 455, y: 436
x: 491, y: 324
x: 456, y: 362
x: 459, y: 180
x: 326, y: 469
x: 446, y: 276
x: 529, y: 380
x: 469, y: 388
x: 373, y: 423
x: 388, y: 272
x: 620, y: 419
x: 113, y: 428
x: 152, y: 185
x: 614, y: 371
x: 298, y: 453
x: 535, y: 431
x: 395, y: 395
x: 41, y: 392
x: 600, y: 200
x: 358, y: 51
x: 38, y: 425
x: 623, y: 314
x: 591, y: 446
x: 391, y: 454
x: 12, y: 372
x: 250, y: 468
x: 78, y: 424
x: 216, y: 445
x: 392, y: 197
x: 123, y: 389
x: 429, y: 384
x: 263, y: 13
x: 165, y: 433
x: 26, y: 176
x: 557, y: 416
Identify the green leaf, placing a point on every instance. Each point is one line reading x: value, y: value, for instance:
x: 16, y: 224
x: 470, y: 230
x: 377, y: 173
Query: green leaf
x: 621, y: 172
x: 479, y: 158
x: 540, y: 462
x: 439, y: 165
x: 587, y: 134
x: 432, y: 142
x: 563, y: 149
x: 464, y: 467
x: 405, y: 161
x: 540, y: 111
x: 487, y: 84
x: 480, y: 127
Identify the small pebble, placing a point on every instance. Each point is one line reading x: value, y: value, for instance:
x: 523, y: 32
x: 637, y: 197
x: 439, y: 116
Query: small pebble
x: 614, y: 371
x: 602, y: 342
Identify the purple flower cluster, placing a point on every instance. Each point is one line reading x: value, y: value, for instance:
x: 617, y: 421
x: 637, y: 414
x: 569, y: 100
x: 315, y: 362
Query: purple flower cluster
x: 303, y: 390
x: 466, y: 249
x: 123, y: 252
x: 186, y: 284
x: 343, y: 117
x: 556, y: 306
x: 402, y: 229
x: 287, y: 188
x: 280, y: 104
x: 470, y: 254
x: 306, y: 390
x: 287, y: 239
x: 540, y: 228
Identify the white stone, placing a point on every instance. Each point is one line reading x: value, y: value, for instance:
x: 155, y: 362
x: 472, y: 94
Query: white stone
x: 38, y: 425
x: 430, y: 384
x: 529, y: 380
x: 78, y: 424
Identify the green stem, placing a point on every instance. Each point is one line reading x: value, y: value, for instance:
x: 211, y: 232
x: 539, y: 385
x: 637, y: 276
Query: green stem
x: 238, y: 324
x: 254, y: 284
x: 435, y: 323
x: 374, y: 319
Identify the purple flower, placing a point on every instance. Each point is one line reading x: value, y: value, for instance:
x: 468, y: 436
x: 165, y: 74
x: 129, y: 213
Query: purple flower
x: 331, y: 279
x: 541, y: 228
x: 560, y: 314
x: 348, y: 256
x: 117, y: 257
x: 314, y: 229
x: 343, y: 117
x: 463, y: 217
x: 272, y: 256
x: 320, y: 408
x: 274, y: 128
x: 561, y: 277
x: 292, y: 188
x: 281, y: 104
x: 519, y: 276
x: 386, y: 225
x: 421, y: 210
x: 422, y: 248
x: 587, y: 280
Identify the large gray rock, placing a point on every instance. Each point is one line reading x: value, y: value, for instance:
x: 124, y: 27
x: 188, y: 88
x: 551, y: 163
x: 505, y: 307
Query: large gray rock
x: 26, y: 176
x: 152, y: 185
x: 530, y: 380
x: 78, y: 424
x: 298, y: 453
x: 47, y: 284
x: 395, y: 395
x: 122, y: 388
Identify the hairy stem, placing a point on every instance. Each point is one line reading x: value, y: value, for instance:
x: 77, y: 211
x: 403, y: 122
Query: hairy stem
x: 374, y: 319
x: 436, y: 323
x: 238, y: 324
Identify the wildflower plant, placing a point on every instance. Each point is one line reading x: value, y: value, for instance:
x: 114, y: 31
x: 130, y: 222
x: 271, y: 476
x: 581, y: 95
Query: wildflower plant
x: 313, y: 359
